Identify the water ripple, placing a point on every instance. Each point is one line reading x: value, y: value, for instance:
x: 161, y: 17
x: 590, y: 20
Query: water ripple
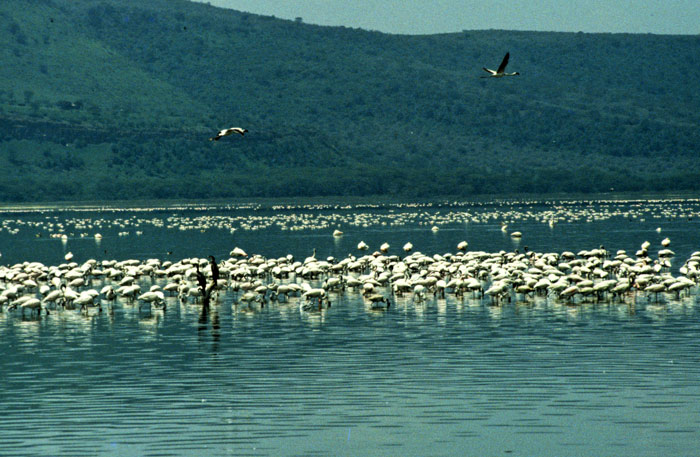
x: 432, y: 379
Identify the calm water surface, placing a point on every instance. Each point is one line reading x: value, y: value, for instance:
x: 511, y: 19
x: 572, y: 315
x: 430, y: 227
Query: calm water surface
x: 443, y: 377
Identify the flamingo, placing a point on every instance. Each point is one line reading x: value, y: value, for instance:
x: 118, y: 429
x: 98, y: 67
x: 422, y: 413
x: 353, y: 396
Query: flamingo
x: 128, y: 292
x: 85, y: 300
x: 69, y: 296
x: 419, y: 292
x: 30, y: 303
x: 156, y: 297
x: 250, y: 297
x: 108, y: 292
x: 311, y: 258
x: 238, y: 252
x: 226, y: 132
x: 378, y: 302
x: 54, y: 297
x: 310, y: 295
x: 171, y: 287
x: 501, y: 69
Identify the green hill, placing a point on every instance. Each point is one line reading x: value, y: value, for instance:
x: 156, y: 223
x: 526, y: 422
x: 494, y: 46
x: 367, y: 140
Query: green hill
x: 116, y: 99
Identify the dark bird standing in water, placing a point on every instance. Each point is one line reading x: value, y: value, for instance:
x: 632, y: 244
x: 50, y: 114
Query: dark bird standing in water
x: 202, y: 281
x: 214, y: 270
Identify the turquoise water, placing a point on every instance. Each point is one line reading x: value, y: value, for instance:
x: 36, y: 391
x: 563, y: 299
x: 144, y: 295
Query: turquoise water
x: 453, y: 376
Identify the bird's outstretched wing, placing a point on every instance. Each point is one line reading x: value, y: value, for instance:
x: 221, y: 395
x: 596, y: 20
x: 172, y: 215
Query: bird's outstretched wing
x: 502, y: 66
x: 226, y: 132
x: 489, y: 71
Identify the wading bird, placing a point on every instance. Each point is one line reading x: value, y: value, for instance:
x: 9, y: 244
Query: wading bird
x: 201, y: 280
x: 214, y: 270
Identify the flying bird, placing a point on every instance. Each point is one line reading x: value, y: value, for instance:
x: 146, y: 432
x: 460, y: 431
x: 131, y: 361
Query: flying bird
x: 226, y: 132
x: 501, y: 69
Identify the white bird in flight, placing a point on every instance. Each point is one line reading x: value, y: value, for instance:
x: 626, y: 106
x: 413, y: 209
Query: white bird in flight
x: 501, y: 69
x: 226, y: 132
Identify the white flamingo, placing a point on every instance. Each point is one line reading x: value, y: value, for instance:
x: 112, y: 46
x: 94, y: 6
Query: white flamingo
x: 238, y: 252
x: 155, y: 297
x: 108, y: 292
x: 311, y: 258
x: 54, y: 297
x: 31, y: 303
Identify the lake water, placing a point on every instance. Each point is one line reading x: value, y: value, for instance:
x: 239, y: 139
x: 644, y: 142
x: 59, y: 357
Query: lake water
x: 440, y: 377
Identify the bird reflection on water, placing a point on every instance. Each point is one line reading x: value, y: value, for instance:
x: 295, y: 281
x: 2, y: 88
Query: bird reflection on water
x: 209, y: 321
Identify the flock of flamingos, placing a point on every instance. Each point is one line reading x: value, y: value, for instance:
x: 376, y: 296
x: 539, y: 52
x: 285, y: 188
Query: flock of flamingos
x: 254, y: 282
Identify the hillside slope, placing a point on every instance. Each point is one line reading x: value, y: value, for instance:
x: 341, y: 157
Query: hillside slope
x: 117, y: 98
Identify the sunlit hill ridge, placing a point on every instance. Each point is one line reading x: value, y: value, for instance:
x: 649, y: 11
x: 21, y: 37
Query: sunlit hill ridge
x: 116, y: 99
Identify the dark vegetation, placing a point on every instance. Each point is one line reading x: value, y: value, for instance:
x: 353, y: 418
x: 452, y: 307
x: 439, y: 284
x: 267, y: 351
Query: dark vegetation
x: 116, y: 99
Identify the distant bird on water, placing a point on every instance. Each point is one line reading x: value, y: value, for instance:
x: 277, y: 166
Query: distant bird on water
x: 226, y: 132
x: 501, y: 69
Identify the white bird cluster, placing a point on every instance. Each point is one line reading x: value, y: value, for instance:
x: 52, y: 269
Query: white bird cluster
x: 43, y: 221
x: 587, y: 276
